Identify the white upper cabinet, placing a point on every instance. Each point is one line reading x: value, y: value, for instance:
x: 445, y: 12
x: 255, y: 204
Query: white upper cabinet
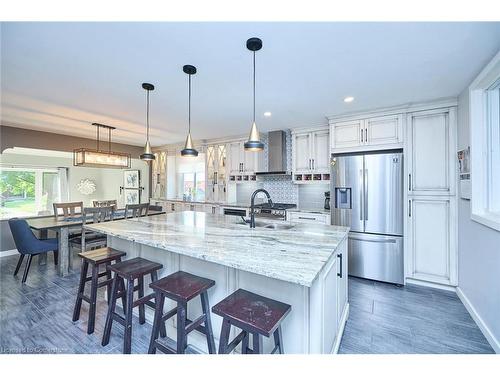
x: 241, y: 161
x: 384, y: 130
x: 347, y: 134
x: 235, y: 161
x: 431, y: 152
x: 311, y: 151
x: 367, y: 134
x: 321, y: 151
x: 301, y: 145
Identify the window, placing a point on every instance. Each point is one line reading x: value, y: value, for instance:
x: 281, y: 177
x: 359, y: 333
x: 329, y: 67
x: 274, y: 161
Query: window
x: 485, y: 145
x: 190, y: 177
x: 28, y: 192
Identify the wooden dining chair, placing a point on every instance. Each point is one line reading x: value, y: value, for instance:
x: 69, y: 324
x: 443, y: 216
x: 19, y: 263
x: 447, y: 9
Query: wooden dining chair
x: 93, y: 240
x: 136, y: 210
x: 69, y: 209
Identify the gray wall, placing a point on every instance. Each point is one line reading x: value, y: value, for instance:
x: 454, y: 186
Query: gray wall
x: 478, y: 247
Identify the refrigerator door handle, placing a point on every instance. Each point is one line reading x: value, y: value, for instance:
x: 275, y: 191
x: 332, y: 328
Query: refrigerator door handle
x: 361, y: 206
x: 366, y: 195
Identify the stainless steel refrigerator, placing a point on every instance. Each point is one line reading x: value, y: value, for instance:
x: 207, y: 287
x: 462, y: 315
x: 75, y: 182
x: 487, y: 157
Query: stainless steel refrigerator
x: 367, y: 194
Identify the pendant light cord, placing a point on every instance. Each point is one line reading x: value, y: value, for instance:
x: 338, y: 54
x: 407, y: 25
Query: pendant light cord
x: 189, y: 105
x: 254, y: 86
x: 147, y: 117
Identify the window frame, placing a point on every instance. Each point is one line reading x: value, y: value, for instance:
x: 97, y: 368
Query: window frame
x: 38, y: 171
x: 480, y: 136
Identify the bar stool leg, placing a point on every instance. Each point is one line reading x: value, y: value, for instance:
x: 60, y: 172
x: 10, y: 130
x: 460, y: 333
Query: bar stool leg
x: 208, y: 323
x: 127, y: 342
x: 93, y: 298
x: 108, y: 277
x: 181, y: 327
x: 121, y: 287
x: 278, y: 339
x: 244, y: 343
x: 224, y: 336
x: 142, y: 314
x: 81, y: 289
x: 257, y: 343
x: 157, y: 323
x: 163, y: 329
x: 111, y: 311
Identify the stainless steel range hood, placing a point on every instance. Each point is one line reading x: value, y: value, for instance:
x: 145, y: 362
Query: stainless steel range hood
x: 276, y: 162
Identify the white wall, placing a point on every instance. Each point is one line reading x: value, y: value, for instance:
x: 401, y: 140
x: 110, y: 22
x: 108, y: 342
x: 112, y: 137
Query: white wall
x: 478, y: 249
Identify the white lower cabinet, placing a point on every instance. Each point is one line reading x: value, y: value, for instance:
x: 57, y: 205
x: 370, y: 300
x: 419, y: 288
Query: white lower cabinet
x: 431, y: 240
x: 306, y: 217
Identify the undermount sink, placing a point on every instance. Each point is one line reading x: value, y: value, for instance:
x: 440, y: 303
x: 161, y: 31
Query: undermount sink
x: 278, y: 226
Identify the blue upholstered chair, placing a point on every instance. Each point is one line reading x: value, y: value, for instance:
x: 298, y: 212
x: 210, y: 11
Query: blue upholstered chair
x: 28, y: 244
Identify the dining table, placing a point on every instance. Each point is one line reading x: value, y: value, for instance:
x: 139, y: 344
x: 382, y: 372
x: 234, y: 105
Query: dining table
x: 62, y: 225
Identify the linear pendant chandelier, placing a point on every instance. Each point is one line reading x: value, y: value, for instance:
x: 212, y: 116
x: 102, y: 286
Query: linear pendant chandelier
x: 189, y: 150
x: 85, y: 157
x: 253, y: 143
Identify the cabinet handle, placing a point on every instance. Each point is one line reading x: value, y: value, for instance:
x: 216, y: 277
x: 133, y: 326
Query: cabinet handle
x: 313, y: 165
x: 340, y: 273
x: 361, y: 135
x: 409, y: 208
x: 366, y: 135
x: 307, y: 218
x: 409, y: 182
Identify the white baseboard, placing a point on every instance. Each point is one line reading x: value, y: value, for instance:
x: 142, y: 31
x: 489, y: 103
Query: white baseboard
x: 430, y: 284
x: 8, y: 252
x: 493, y: 341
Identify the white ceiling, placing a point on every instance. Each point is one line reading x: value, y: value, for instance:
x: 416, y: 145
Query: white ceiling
x: 59, y: 77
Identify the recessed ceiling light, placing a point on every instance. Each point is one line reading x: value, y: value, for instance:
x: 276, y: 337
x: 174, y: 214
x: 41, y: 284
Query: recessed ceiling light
x: 348, y: 99
x: 267, y: 114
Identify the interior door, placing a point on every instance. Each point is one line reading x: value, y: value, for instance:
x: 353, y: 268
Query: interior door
x: 348, y: 186
x: 383, y: 193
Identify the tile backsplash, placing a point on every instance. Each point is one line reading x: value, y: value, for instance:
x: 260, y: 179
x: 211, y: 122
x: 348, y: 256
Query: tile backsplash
x: 281, y: 188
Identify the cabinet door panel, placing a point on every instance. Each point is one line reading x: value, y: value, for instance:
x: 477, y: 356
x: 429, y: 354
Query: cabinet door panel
x: 302, y: 155
x: 431, y: 240
x: 347, y: 134
x: 342, y: 279
x: 383, y: 130
x: 321, y: 152
x: 430, y: 162
x: 234, y: 156
x: 330, y: 305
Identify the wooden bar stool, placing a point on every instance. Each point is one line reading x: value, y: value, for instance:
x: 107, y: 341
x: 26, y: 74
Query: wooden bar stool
x: 94, y: 258
x: 181, y: 287
x: 253, y: 314
x: 129, y: 270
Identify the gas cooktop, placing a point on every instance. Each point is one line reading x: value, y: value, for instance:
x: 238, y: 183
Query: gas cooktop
x: 276, y: 206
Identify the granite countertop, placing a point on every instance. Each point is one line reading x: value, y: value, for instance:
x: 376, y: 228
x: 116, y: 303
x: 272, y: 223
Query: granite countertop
x: 295, y: 255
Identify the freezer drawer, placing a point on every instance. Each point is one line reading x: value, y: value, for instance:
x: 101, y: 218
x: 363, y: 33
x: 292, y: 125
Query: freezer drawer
x: 376, y: 257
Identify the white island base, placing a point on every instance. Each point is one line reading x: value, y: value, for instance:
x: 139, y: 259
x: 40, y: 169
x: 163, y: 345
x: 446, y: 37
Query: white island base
x: 314, y: 325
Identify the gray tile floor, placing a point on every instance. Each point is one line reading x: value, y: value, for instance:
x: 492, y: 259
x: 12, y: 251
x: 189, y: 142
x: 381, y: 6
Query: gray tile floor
x: 385, y: 318
x: 36, y: 318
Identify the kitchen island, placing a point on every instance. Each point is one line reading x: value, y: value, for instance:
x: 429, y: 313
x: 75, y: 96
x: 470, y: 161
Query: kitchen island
x: 300, y: 264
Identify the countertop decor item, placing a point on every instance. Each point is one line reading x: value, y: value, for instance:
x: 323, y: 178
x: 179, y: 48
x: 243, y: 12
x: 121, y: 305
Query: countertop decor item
x: 85, y: 157
x: 254, y: 143
x: 148, y: 154
x: 189, y: 150
x: 86, y: 186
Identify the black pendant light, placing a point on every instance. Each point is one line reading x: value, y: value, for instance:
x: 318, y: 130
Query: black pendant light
x: 148, y: 154
x: 254, y: 143
x: 188, y: 149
